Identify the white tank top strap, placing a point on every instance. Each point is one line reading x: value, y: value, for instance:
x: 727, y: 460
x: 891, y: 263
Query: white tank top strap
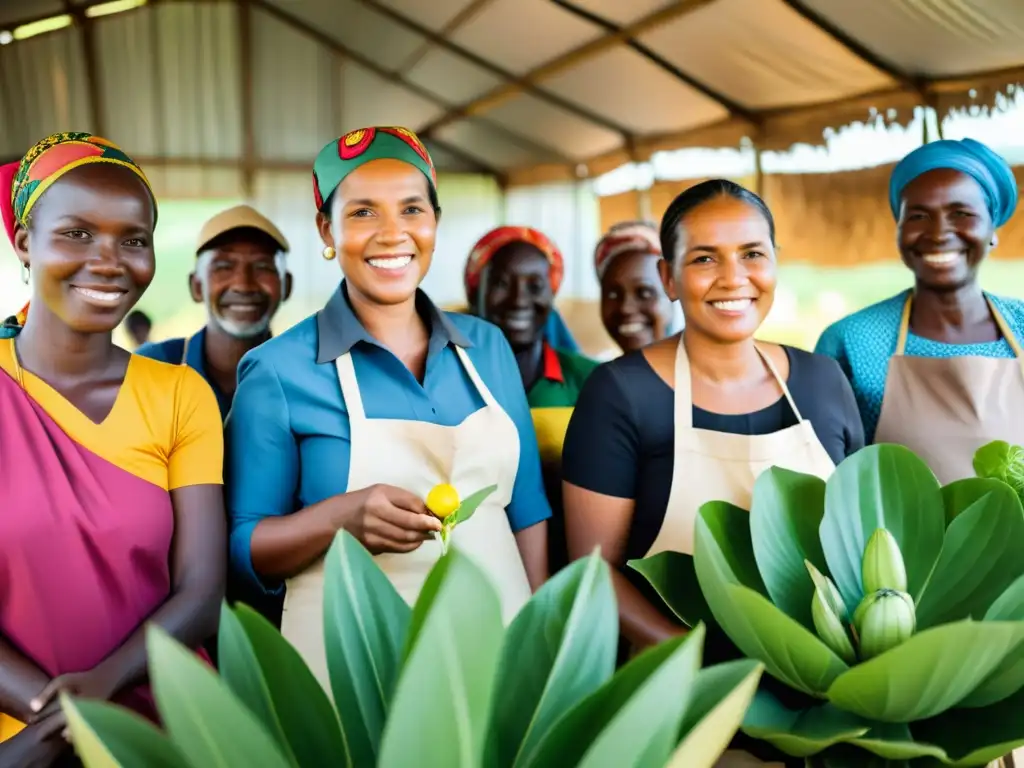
x: 474, y: 376
x: 782, y: 383
x: 683, y: 392
x: 350, y: 387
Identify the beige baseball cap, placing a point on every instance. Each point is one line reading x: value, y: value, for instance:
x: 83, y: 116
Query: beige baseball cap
x: 239, y: 217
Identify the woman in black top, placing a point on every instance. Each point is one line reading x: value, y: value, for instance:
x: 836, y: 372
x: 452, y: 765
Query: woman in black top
x: 696, y: 417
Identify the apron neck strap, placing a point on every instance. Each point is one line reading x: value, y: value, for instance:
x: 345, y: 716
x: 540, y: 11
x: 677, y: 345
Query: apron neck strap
x: 184, y: 350
x: 683, y: 395
x: 1001, y: 324
x: 485, y: 393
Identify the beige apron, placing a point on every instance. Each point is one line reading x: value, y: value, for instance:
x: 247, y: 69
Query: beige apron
x: 414, y: 455
x: 944, y: 409
x: 710, y: 466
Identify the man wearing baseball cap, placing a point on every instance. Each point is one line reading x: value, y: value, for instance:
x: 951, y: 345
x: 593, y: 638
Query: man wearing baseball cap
x: 241, y: 277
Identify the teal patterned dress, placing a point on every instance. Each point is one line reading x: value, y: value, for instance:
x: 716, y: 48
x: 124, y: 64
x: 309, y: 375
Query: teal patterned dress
x: 863, y: 342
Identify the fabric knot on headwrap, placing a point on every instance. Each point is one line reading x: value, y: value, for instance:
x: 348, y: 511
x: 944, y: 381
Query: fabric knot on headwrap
x: 342, y: 156
x: 627, y: 237
x: 968, y: 156
x: 495, y: 240
x: 22, y: 184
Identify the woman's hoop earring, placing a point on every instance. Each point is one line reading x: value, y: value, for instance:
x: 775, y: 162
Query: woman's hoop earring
x: 329, y: 253
x: 24, y: 273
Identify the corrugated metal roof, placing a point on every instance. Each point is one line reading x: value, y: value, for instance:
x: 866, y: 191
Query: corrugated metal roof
x: 494, y: 85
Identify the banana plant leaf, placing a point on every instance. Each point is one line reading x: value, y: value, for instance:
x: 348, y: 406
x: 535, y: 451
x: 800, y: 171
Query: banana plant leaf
x: 936, y: 669
x: 365, y: 624
x: 439, y: 713
x: 785, y: 516
x: 559, y: 649
x: 789, y: 651
x: 305, y: 716
x: 800, y: 733
x: 975, y: 737
x: 980, y: 557
x: 674, y: 578
x: 639, y: 710
x: 881, y: 486
x: 205, y: 720
x: 107, y: 736
x: 718, y: 701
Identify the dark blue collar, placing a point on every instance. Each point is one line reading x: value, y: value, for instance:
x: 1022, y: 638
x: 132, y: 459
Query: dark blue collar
x: 339, y: 328
x: 195, y: 358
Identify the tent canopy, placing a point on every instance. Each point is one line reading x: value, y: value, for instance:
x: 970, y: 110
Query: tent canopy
x: 525, y: 90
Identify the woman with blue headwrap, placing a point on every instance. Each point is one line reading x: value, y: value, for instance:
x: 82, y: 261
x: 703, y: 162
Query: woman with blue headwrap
x: 937, y: 368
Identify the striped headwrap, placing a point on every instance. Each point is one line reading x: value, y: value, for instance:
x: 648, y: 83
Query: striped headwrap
x: 46, y: 162
x: 627, y: 237
x: 494, y: 241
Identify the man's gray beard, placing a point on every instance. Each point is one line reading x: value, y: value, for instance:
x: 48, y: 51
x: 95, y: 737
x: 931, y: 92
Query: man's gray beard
x: 230, y: 327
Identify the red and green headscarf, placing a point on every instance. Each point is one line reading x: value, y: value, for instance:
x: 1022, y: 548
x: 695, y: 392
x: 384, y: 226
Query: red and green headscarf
x: 495, y: 240
x: 342, y: 156
x: 43, y: 165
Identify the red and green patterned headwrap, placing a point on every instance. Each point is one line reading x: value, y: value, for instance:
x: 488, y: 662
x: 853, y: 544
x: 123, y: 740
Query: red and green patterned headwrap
x: 43, y: 165
x: 342, y: 156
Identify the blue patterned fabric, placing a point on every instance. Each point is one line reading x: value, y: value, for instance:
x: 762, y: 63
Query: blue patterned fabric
x: 863, y: 342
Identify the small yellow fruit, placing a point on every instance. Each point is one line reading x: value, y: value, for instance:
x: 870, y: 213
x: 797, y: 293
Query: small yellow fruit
x: 442, y: 500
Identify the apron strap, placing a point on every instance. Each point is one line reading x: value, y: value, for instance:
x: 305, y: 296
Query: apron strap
x: 683, y: 391
x: 781, y: 382
x: 1001, y: 324
x: 485, y: 393
x: 184, y: 350
x: 350, y: 388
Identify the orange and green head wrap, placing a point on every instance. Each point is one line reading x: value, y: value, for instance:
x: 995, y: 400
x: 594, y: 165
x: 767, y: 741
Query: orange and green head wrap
x: 342, y: 156
x: 43, y: 165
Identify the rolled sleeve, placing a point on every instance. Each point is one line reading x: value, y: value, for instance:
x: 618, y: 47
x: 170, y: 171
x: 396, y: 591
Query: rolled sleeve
x: 262, y: 462
x: 529, y: 504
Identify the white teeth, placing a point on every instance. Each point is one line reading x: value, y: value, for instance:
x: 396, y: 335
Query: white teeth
x: 110, y: 297
x: 938, y: 259
x: 627, y: 329
x: 391, y: 262
x: 734, y: 305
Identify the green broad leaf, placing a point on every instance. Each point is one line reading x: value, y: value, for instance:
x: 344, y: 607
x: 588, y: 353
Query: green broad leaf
x: 305, y: 715
x: 634, y: 718
x: 720, y: 697
x: 789, y: 651
x: 849, y: 756
x: 560, y: 648
x: 673, y: 577
x: 108, y: 736
x: 995, y: 460
x: 1007, y: 678
x: 881, y: 486
x: 800, y: 733
x: 733, y: 550
x: 961, y: 494
x: 936, y: 669
x: 441, y: 706
x: 424, y: 604
x: 894, y: 741
x: 365, y: 624
x: 241, y: 672
x: 976, y: 737
x: 469, y: 505
x: 205, y: 720
x: 785, y: 515
x: 980, y: 558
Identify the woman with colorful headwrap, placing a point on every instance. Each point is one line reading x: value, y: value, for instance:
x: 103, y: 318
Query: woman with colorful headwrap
x: 635, y: 309
x: 111, y: 463
x: 937, y: 368
x: 513, y: 274
x: 353, y: 416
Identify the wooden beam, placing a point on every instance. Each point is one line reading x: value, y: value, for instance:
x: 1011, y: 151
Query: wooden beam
x: 733, y: 107
x: 94, y: 93
x: 576, y: 56
x: 509, y: 77
x: 456, y: 22
x: 392, y: 77
x: 862, y: 52
x: 247, y: 95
